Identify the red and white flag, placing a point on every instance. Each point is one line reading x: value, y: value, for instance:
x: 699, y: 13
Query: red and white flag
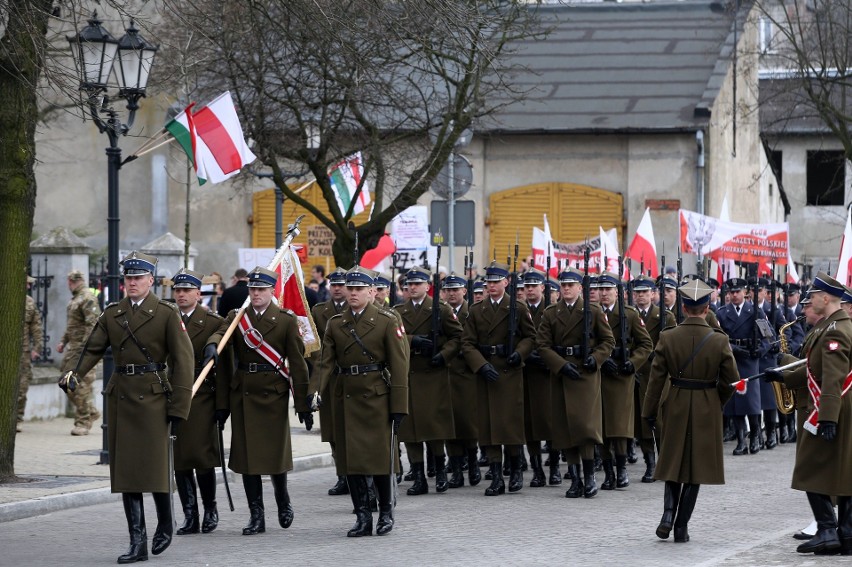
x: 844, y: 270
x: 290, y: 291
x: 554, y: 263
x: 609, y: 252
x: 643, y: 248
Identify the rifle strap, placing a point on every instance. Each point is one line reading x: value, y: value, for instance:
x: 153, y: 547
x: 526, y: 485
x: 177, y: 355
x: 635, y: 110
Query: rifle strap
x: 695, y: 352
x: 364, y: 349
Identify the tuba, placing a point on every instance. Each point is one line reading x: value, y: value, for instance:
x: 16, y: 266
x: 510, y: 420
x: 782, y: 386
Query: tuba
x: 785, y: 399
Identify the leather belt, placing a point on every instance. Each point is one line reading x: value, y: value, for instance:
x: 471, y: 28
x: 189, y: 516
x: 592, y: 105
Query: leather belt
x: 133, y: 369
x: 741, y: 342
x: 254, y: 367
x: 356, y: 369
x: 575, y: 350
x: 693, y: 384
x: 492, y: 350
x: 616, y: 353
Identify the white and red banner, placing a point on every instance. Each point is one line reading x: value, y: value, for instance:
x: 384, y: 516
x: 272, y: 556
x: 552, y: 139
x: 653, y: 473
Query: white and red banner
x: 643, y: 249
x: 569, y: 254
x: 290, y: 291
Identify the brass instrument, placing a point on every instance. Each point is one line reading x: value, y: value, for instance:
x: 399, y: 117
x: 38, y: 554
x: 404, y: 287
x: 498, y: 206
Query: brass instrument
x: 785, y: 398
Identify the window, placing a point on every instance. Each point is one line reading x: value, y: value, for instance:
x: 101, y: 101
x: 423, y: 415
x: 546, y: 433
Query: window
x: 767, y: 36
x: 826, y: 178
x: 776, y: 164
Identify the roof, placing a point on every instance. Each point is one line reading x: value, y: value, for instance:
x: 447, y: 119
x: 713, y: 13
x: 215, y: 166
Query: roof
x: 620, y: 67
x: 786, y: 109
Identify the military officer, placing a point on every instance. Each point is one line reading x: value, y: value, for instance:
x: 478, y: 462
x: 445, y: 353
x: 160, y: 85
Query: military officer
x: 382, y: 291
x: 654, y: 323
x: 31, y: 345
x: 617, y: 380
x: 574, y: 360
x: 690, y: 380
x: 149, y: 392
x: 265, y: 338
x: 366, y: 349
x: 197, y: 447
x: 824, y: 452
x: 496, y: 351
x: 463, y: 396
x: 478, y: 291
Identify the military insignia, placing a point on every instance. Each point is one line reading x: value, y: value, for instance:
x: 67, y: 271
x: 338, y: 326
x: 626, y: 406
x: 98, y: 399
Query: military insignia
x: 454, y: 315
x: 401, y: 328
x: 399, y: 333
x: 641, y: 321
x: 833, y: 346
x: 253, y: 338
x: 182, y: 326
x: 832, y: 326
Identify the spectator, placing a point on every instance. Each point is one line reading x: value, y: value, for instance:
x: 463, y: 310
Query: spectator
x: 234, y: 296
x: 318, y: 274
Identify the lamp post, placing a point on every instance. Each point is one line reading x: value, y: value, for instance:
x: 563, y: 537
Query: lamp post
x: 95, y: 52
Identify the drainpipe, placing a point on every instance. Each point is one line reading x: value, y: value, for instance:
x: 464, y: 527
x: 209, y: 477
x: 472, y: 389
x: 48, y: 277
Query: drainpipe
x: 699, y: 172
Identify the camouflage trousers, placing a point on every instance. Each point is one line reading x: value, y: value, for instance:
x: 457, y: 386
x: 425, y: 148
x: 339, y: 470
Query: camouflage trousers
x: 85, y: 411
x: 25, y: 375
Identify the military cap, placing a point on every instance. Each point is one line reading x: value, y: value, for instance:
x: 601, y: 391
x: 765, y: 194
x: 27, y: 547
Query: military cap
x: 552, y: 285
x: 791, y: 288
x: 806, y: 298
x: 76, y: 275
x: 712, y: 282
x: 847, y: 295
x: 764, y: 283
x: 736, y: 284
x: 418, y: 275
x: 695, y: 293
x: 137, y: 263
x: 261, y: 277
x: 382, y: 281
x: 643, y: 283
x: 668, y: 282
x: 496, y: 271
x: 187, y: 278
x: 570, y: 275
x: 534, y: 277
x: 608, y: 279
x: 337, y: 277
x: 594, y: 282
x: 824, y: 282
x: 479, y: 286
x: 454, y: 282
x: 359, y: 277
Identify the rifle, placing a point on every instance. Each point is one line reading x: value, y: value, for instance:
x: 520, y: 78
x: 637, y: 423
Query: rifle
x: 622, y: 323
x: 587, y: 306
x: 469, y: 275
x: 513, y: 304
x: 773, y: 309
x: 392, y: 294
x: 629, y: 282
x: 435, y: 329
x: 357, y: 255
x: 754, y: 307
x: 678, y: 303
x: 662, y: 293
x: 547, y: 278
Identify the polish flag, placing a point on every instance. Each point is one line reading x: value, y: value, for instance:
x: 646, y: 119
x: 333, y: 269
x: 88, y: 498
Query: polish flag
x: 643, y: 248
x: 290, y: 292
x: 844, y: 270
x: 375, y: 256
x: 554, y: 263
x: 609, y: 251
x: 726, y: 268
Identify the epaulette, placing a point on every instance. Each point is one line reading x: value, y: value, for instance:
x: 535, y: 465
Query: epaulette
x: 551, y: 306
x: 211, y: 313
x: 287, y: 311
x: 335, y: 316
x: 631, y: 308
x: 675, y: 327
x: 169, y: 303
x: 716, y: 329
x: 108, y: 305
x: 387, y: 313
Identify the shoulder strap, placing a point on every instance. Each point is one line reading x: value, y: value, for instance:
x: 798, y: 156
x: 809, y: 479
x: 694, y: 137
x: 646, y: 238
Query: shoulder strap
x: 348, y: 325
x: 695, y: 352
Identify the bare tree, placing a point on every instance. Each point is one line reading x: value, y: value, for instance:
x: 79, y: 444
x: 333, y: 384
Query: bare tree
x: 398, y: 81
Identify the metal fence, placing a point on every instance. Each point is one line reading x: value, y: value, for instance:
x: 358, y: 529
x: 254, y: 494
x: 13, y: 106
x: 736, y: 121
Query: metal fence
x: 38, y: 291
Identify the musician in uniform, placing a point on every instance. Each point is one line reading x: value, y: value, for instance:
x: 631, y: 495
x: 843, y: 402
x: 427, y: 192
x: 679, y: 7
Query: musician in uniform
x: 269, y: 353
x: 197, y: 446
x: 495, y: 347
x: 575, y: 378
x: 690, y: 380
x: 824, y: 452
x: 366, y: 349
x: 148, y: 394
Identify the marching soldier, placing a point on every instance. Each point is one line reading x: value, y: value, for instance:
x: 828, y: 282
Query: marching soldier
x: 148, y: 394
x: 82, y: 314
x: 576, y: 381
x: 500, y: 392
x: 463, y: 395
x: 478, y: 291
x: 617, y: 380
x: 382, y: 291
x: 691, y: 378
x: 654, y: 323
x: 824, y: 452
x: 430, y: 411
x: 31, y: 344
x: 197, y: 448
x: 366, y: 349
x: 260, y: 395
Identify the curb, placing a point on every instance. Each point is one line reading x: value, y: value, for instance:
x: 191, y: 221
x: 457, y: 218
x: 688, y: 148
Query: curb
x: 57, y: 502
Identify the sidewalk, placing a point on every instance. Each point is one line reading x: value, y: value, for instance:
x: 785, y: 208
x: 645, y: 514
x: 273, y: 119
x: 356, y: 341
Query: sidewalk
x: 59, y: 471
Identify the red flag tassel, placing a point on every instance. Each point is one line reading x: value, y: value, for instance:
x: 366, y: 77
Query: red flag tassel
x: 741, y: 386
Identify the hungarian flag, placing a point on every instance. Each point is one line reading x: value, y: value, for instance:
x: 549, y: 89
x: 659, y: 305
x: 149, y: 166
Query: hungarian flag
x: 345, y: 177
x: 213, y: 139
x: 290, y: 291
x: 844, y: 270
x: 643, y: 248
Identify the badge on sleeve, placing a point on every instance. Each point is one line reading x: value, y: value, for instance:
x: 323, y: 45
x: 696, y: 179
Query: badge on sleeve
x: 399, y: 333
x: 182, y: 326
x: 641, y: 322
x: 833, y: 346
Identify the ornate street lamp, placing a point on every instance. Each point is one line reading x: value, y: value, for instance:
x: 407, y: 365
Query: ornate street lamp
x: 95, y: 52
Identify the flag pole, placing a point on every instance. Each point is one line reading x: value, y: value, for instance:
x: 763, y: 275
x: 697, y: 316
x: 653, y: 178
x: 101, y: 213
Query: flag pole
x: 273, y: 264
x: 142, y: 148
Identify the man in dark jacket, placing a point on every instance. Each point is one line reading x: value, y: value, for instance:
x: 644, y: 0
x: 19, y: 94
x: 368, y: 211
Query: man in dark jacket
x: 234, y: 297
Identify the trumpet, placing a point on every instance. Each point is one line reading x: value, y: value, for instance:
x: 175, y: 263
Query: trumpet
x: 785, y: 398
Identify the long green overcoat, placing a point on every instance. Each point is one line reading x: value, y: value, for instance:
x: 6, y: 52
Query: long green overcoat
x: 463, y: 390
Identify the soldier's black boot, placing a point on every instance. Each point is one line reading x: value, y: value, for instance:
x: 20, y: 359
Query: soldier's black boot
x: 282, y: 499
x: 729, y: 433
x: 457, y: 479
x: 825, y: 540
x: 609, y: 475
x: 671, y: 496
x: 135, y: 513
x: 740, y: 449
x: 685, y: 506
x: 473, y: 473
x: 516, y: 478
x: 598, y: 460
x: 576, y: 488
x: 538, y: 479
x: 420, y: 486
x: 385, y: 494
x: 844, y: 524
x: 185, y: 481
x: 621, y: 478
x: 371, y: 493
x: 207, y: 488
x: 555, y: 477
x: 754, y: 434
x: 507, y: 465
x: 770, y: 420
x: 430, y: 462
x: 650, y: 466
x: 340, y: 487
x: 783, y: 431
x: 165, y: 524
x: 524, y: 464
x: 590, y: 485
x: 631, y: 452
x: 441, y: 484
x: 253, y: 486
x: 497, y: 484
x: 361, y: 500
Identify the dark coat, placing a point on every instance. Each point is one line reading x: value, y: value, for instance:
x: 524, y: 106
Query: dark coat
x: 362, y: 404
x: 260, y: 401
x: 653, y: 324
x: 321, y: 313
x: 538, y: 409
x: 500, y: 404
x: 463, y: 384
x: 430, y: 409
x: 742, y: 328
x: 691, y: 442
x: 576, y: 404
x: 197, y: 443
x: 137, y: 404
x: 232, y: 298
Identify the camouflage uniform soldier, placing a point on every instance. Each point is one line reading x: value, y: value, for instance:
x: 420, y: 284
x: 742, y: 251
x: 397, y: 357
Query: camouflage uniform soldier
x: 82, y: 314
x: 32, y: 343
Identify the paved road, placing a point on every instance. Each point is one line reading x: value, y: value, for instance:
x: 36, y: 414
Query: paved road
x: 749, y: 521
